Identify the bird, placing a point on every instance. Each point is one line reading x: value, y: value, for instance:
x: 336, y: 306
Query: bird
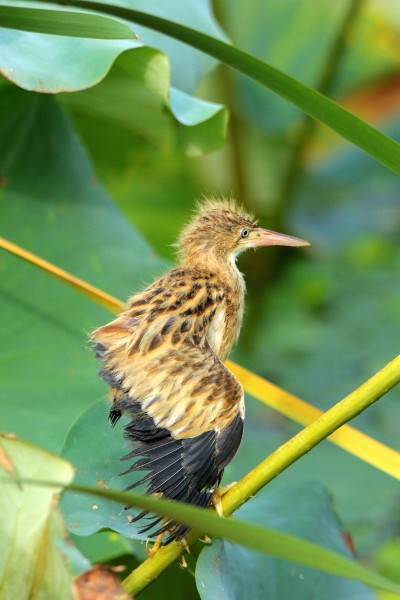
x: 163, y: 358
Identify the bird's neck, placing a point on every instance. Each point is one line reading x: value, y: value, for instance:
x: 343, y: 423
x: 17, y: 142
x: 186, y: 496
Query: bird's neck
x: 234, y: 306
x: 224, y: 329
x: 225, y: 269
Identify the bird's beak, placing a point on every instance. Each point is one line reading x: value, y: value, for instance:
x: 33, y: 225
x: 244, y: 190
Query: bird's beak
x: 264, y: 237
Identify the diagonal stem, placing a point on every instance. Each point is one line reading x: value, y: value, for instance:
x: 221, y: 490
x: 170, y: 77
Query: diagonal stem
x: 102, y: 298
x: 348, y: 438
x: 342, y: 412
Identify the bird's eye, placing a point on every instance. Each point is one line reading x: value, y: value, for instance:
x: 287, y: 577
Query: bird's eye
x: 244, y: 233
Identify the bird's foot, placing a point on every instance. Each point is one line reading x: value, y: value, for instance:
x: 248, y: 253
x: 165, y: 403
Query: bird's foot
x: 183, y: 562
x: 156, y: 546
x: 205, y: 540
x: 217, y: 495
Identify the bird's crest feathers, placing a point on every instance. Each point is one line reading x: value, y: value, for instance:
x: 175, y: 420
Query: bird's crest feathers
x: 224, y: 205
x: 213, y: 230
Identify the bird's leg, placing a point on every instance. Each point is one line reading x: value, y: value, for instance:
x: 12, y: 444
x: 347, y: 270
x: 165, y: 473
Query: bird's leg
x: 184, y: 543
x: 156, y: 546
x: 217, y: 495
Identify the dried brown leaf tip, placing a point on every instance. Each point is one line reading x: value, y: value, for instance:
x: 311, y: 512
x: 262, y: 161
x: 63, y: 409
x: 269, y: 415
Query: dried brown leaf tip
x: 100, y: 583
x: 5, y: 461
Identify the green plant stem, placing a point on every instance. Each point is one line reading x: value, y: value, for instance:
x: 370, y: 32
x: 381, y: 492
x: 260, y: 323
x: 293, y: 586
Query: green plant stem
x: 342, y: 412
x: 318, y: 106
x: 345, y: 410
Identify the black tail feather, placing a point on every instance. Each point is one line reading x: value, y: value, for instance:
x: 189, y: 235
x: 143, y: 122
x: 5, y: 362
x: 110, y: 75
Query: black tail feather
x: 114, y: 416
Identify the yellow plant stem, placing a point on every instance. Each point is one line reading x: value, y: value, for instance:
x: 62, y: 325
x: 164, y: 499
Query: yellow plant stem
x: 268, y: 469
x: 89, y: 290
x: 329, y: 421
x: 368, y: 449
x: 348, y: 438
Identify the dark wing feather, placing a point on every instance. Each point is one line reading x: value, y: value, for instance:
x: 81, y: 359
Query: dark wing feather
x: 187, y: 470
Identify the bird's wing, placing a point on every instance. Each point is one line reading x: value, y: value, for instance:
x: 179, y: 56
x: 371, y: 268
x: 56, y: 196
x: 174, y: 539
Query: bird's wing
x: 186, y: 422
x: 187, y: 470
x: 186, y: 390
x: 156, y: 353
x: 178, y: 306
x: 186, y: 408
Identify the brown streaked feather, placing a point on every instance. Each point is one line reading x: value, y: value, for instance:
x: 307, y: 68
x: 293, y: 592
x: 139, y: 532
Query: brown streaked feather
x: 171, y: 359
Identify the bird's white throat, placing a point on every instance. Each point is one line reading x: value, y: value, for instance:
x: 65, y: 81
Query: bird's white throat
x: 216, y: 330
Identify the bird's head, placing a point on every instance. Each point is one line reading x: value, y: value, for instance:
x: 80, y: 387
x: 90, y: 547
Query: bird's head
x: 220, y: 230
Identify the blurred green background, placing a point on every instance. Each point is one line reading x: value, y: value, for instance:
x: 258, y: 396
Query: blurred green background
x: 318, y: 321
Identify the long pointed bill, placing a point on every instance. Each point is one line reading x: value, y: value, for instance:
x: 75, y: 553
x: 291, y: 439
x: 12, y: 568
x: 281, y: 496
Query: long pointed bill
x: 264, y: 237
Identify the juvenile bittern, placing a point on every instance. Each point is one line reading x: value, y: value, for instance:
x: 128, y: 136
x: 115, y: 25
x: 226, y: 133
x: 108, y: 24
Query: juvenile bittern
x: 162, y: 357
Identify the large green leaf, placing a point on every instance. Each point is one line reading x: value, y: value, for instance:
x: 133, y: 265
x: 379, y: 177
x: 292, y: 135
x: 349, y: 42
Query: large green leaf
x: 134, y: 96
x: 51, y: 203
x: 318, y: 106
x: 138, y: 90
x: 227, y: 571
x: 31, y: 565
x: 95, y: 449
x: 188, y: 65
